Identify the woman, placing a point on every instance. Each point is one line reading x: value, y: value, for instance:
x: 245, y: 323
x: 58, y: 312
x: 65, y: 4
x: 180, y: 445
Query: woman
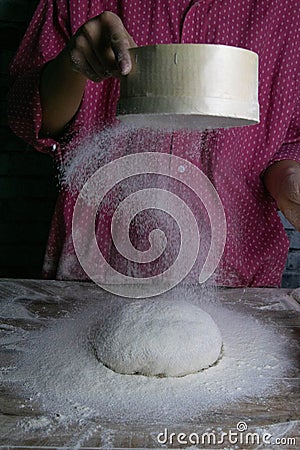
x: 66, y: 87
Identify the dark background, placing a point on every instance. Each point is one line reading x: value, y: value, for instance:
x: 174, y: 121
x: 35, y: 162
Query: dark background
x: 27, y: 177
x: 28, y: 186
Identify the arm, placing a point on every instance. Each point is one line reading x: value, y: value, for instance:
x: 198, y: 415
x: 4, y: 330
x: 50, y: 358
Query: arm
x: 282, y: 177
x: 98, y: 50
x: 43, y: 63
x: 282, y: 180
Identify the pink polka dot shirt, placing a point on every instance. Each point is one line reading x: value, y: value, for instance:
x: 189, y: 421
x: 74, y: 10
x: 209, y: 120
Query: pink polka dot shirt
x: 233, y: 159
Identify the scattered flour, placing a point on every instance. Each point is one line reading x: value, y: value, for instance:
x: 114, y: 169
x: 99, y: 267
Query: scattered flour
x: 59, y: 369
x: 296, y: 294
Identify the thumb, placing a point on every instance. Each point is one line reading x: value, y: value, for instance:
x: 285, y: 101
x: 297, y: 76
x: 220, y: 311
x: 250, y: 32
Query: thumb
x: 119, y: 40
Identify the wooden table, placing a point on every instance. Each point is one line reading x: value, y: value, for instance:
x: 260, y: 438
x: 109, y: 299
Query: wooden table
x: 279, y: 414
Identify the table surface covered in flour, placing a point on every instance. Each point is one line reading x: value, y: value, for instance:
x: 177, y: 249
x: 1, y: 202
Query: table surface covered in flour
x: 278, y: 414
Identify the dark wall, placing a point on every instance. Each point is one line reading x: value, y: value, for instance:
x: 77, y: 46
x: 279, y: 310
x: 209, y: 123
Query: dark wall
x: 27, y: 178
x: 291, y: 276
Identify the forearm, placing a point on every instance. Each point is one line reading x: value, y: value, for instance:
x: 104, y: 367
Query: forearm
x: 61, y: 91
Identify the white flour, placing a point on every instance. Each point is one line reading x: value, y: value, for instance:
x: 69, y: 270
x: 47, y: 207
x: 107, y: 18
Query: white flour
x: 118, y: 140
x: 58, y: 369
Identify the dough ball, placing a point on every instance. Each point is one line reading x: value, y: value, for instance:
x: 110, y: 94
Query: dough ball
x: 157, y: 338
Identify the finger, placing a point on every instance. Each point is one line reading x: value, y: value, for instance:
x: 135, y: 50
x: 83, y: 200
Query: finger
x: 78, y: 47
x: 119, y: 41
x: 98, y: 52
x: 120, y: 45
x: 291, y: 188
x: 85, y: 60
x: 81, y: 64
x: 101, y: 65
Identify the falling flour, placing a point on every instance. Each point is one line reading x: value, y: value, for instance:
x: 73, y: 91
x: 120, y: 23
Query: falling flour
x: 116, y: 141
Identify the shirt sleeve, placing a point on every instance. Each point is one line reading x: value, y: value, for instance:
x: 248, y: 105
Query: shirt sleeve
x: 290, y: 149
x: 46, y: 36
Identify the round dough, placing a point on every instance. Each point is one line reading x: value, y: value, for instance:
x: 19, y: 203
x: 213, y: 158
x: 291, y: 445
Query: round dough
x: 157, y: 338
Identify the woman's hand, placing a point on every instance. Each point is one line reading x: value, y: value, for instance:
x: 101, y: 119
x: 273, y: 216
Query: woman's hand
x: 282, y: 180
x: 99, y: 49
